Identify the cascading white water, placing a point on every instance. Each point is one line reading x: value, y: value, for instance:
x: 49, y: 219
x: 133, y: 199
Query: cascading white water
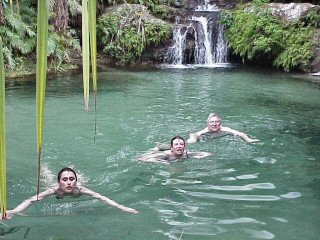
x: 176, y: 52
x: 220, y: 54
x: 207, y: 7
x: 203, y: 51
x: 200, y: 40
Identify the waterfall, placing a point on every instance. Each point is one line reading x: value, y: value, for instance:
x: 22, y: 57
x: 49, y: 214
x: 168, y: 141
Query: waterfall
x: 176, y: 52
x: 221, y: 51
x: 200, y: 39
x: 207, y: 7
x: 203, y: 51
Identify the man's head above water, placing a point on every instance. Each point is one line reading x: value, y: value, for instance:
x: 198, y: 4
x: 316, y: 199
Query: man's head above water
x: 214, y: 122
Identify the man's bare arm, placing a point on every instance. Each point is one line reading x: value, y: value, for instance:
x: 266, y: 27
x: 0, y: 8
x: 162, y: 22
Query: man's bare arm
x: 242, y: 135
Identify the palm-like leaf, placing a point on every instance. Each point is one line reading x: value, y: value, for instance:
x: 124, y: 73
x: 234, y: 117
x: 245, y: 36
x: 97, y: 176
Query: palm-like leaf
x: 3, y: 180
x: 93, y: 48
x: 42, y: 46
x: 85, y: 53
x: 93, y: 42
x: 19, y: 25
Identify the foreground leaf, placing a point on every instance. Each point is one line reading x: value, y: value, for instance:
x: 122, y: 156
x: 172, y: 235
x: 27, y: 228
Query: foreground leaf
x: 3, y: 179
x: 42, y: 49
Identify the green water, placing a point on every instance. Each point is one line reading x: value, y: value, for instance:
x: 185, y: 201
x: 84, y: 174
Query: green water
x: 267, y: 190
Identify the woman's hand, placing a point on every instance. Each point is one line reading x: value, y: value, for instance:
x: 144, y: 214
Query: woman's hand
x: 129, y: 210
x: 193, y: 138
x: 252, y: 140
x: 9, y: 215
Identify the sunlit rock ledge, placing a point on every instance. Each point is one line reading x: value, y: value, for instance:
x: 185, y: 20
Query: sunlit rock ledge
x: 292, y: 11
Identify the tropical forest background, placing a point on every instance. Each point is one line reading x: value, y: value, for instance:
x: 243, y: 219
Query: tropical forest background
x: 125, y: 35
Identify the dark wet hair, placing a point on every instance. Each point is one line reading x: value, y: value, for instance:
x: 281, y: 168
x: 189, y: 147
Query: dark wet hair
x: 177, y: 137
x: 66, y: 169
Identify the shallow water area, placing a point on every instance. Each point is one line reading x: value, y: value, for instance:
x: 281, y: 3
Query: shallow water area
x: 264, y: 190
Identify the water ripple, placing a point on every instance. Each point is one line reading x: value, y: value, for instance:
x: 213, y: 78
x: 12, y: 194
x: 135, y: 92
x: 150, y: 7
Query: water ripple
x: 265, y: 160
x: 280, y: 219
x: 178, y: 181
x: 260, y: 234
x: 248, y: 176
x: 239, y: 220
x: 231, y: 197
x: 291, y: 195
x: 237, y: 188
x: 196, y: 174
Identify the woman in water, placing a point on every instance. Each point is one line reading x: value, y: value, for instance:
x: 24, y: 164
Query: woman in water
x: 67, y: 186
x: 176, y: 153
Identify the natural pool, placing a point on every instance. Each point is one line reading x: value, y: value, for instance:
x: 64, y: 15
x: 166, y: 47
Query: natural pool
x: 266, y: 190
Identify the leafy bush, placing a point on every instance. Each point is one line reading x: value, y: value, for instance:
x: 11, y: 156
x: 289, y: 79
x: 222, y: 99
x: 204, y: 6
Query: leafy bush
x: 19, y: 38
x: 125, y: 33
x: 156, y: 7
x: 60, y: 48
x: 313, y: 18
x: 254, y: 32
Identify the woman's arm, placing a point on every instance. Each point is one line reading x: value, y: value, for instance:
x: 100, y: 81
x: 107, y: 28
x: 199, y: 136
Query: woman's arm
x: 106, y: 200
x: 154, y: 157
x: 28, y: 202
x: 244, y: 136
x: 156, y: 160
x: 199, y: 155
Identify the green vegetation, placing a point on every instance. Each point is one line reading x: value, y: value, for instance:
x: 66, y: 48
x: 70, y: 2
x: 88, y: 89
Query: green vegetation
x: 41, y: 70
x: 313, y: 18
x: 18, y: 34
x: 126, y: 32
x: 156, y: 7
x: 254, y: 33
x: 18, y: 31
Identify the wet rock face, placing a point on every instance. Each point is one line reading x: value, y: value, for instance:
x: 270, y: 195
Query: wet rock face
x: 292, y: 11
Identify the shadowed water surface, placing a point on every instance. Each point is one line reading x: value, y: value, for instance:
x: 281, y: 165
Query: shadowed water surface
x: 266, y: 190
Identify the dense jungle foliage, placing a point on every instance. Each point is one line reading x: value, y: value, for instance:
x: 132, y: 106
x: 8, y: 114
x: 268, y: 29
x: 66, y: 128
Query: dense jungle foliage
x: 126, y: 38
x: 18, y: 32
x: 254, y: 33
x: 18, y: 28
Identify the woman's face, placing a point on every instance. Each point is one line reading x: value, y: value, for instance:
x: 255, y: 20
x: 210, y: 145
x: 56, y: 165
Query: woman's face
x: 67, y: 181
x: 214, y: 124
